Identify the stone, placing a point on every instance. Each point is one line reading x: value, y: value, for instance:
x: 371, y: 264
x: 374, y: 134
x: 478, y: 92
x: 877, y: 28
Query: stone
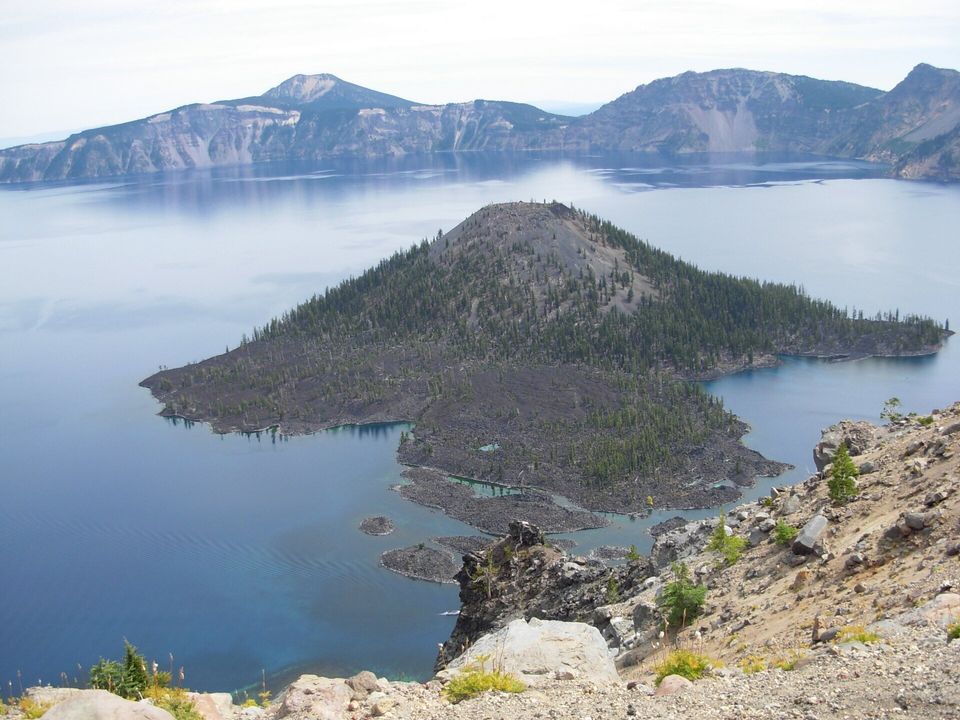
x: 828, y: 635
x: 382, y: 707
x: 622, y: 629
x: 673, y: 684
x: 317, y: 697
x: 867, y: 467
x: 213, y: 706
x: 937, y: 496
x: 952, y: 429
x: 362, y: 684
x: 809, y: 536
x: 525, y: 534
x: 767, y: 525
x: 912, y: 448
x: 103, y: 705
x: 756, y: 537
x: 915, y: 520
x: 535, y: 650
x: 855, y: 559
x: 857, y: 436
x: 790, y: 506
x: 799, y: 579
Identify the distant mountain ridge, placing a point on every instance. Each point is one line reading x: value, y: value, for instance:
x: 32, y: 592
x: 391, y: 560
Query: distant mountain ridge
x: 915, y: 127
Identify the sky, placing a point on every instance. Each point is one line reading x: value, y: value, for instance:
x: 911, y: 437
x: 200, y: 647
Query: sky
x: 73, y: 64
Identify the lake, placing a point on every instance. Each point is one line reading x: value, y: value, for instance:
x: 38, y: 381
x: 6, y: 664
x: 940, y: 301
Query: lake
x: 241, y: 554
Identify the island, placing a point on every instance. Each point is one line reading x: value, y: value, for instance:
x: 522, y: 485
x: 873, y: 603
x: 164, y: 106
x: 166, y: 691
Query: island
x: 537, y: 348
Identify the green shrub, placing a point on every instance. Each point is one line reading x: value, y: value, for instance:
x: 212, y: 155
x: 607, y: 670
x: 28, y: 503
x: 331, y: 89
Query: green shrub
x: 613, y: 590
x: 857, y: 633
x: 681, y: 599
x: 753, y: 664
x: 843, y: 477
x: 784, y: 533
x: 953, y: 632
x: 729, y: 546
x: 174, y: 700
x: 633, y: 554
x: 474, y: 681
x: 925, y: 420
x: 685, y: 663
x: 31, y: 710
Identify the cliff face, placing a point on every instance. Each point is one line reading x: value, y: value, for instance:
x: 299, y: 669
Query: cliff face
x: 914, y: 127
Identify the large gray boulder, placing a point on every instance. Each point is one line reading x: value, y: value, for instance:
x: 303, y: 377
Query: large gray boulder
x: 541, y: 650
x: 103, y: 705
x: 315, y: 697
x: 809, y: 536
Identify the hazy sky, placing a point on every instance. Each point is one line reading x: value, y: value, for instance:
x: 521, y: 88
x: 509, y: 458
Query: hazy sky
x: 70, y: 64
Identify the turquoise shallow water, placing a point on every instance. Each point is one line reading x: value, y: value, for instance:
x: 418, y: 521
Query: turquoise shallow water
x: 238, y: 554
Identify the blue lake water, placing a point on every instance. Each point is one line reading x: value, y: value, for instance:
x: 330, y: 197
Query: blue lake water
x: 239, y: 554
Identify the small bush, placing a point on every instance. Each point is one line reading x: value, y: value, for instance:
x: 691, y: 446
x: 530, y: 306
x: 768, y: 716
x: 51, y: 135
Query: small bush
x: 953, y: 632
x: 613, y: 590
x: 784, y: 533
x: 786, y: 663
x: 753, y: 664
x: 925, y: 420
x: 31, y: 709
x: 682, y: 599
x: 685, y: 663
x: 174, y: 700
x: 857, y: 633
x: 843, y: 477
x: 474, y: 681
x: 633, y: 554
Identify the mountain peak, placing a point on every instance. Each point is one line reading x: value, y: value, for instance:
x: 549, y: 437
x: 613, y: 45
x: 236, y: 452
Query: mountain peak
x: 304, y: 88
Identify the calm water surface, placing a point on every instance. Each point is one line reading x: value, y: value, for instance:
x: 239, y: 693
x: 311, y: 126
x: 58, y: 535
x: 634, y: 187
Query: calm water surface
x: 239, y: 554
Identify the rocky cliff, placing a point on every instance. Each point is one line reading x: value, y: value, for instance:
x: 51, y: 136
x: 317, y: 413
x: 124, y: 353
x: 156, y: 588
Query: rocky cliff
x: 913, y: 128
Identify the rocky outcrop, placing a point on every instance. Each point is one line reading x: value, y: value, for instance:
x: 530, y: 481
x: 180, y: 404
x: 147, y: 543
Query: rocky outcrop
x: 377, y: 525
x: 857, y: 436
x: 537, y: 651
x: 522, y: 576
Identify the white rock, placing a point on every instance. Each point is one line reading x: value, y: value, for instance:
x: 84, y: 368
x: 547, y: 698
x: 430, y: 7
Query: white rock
x: 103, y: 705
x: 540, y: 650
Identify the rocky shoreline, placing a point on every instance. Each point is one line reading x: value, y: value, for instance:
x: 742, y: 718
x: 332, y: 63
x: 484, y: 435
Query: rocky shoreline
x: 377, y: 525
x: 432, y: 488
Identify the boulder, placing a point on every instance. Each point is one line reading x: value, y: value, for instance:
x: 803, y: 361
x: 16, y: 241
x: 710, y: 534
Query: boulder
x: 537, y: 651
x: 809, y: 536
x: 315, y: 697
x: 213, y: 706
x: 673, y: 684
x: 362, y: 684
x: 103, y: 705
x: 791, y: 506
x: 915, y: 520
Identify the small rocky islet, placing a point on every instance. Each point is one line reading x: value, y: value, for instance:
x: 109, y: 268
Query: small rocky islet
x: 376, y: 525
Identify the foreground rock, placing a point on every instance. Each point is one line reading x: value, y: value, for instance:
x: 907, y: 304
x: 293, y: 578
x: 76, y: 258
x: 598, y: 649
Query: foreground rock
x: 537, y: 651
x: 421, y: 563
x: 103, y: 705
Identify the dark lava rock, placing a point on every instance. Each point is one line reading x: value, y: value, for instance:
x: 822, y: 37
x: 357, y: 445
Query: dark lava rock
x: 667, y: 525
x: 465, y: 544
x: 378, y: 525
x: 421, y: 563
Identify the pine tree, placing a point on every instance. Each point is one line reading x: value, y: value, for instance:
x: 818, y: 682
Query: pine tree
x: 843, y: 477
